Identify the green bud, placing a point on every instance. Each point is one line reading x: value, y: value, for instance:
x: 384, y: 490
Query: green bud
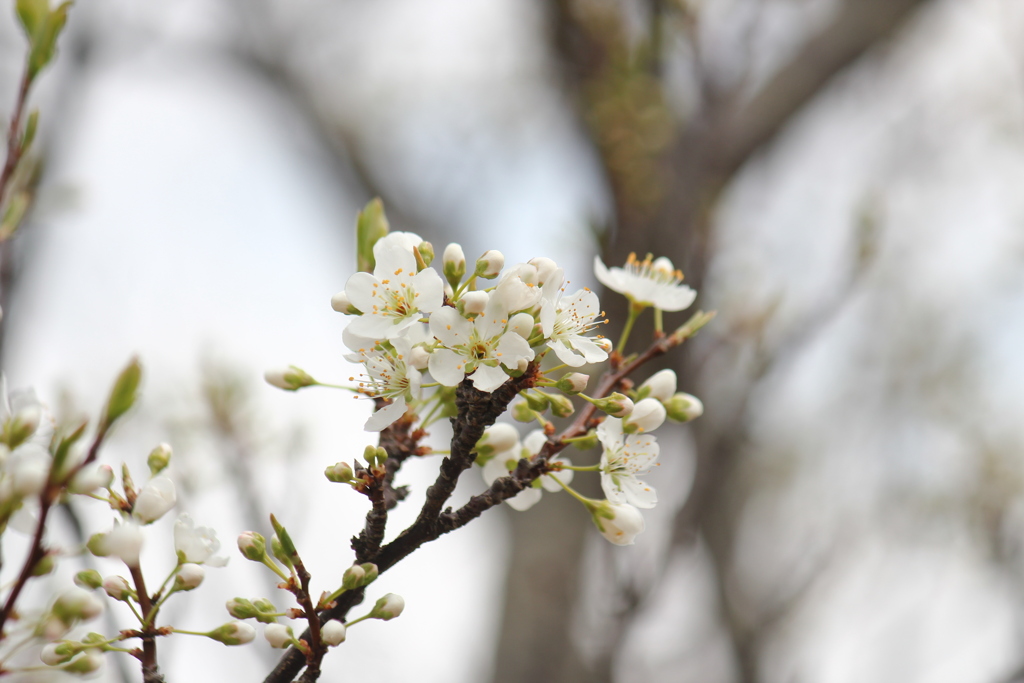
x: 616, y: 405
x: 339, y: 473
x: 159, y: 458
x: 684, y: 407
x: 490, y: 264
x: 454, y: 264
x: 88, y: 578
x: 388, y: 607
x: 252, y: 546
x: 233, y: 633
x: 93, y: 638
x: 521, y: 412
x: 353, y: 577
x: 370, y: 573
x: 278, y: 551
x: 240, y: 608
x: 536, y: 401
x: 370, y: 455
x: 561, y: 406
x: 21, y: 426
x: 123, y: 395
x: 265, y: 609
x: 371, y: 225
x: 44, y: 566
x: 127, y: 483
x: 89, y: 662
x: 424, y: 255
x: 573, y: 382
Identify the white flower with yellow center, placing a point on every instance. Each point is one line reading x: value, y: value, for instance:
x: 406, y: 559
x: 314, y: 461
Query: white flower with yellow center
x: 649, y: 283
x: 566, y: 321
x: 476, y: 348
x: 389, y: 375
x: 395, y: 296
x: 625, y: 457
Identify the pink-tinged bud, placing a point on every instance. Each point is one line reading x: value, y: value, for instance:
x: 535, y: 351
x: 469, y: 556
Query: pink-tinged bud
x: 490, y: 264
x: 233, y: 633
x: 388, y: 607
x: 684, y: 407
x: 474, y: 303
x: 647, y: 415
x: 155, y: 500
x: 252, y: 546
x: 333, y: 632
x: 278, y: 635
x: 189, y: 577
x: 620, y: 524
x: 117, y: 588
x: 661, y: 385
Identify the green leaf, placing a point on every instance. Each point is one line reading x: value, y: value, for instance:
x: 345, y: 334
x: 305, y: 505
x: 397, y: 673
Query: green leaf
x: 44, y: 39
x: 60, y: 453
x: 30, y: 130
x: 371, y: 225
x: 32, y: 14
x: 122, y: 396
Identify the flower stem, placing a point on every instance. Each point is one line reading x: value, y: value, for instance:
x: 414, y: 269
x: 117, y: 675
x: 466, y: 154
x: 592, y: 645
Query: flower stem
x: 582, y: 468
x: 571, y: 491
x: 658, y: 323
x: 634, y: 312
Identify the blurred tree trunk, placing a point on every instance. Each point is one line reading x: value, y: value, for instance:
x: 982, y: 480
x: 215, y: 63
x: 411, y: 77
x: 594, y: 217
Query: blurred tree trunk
x: 662, y: 204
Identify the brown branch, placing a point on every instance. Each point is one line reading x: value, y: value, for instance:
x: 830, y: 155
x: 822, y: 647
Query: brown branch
x: 317, y: 650
x: 150, y: 670
x: 14, y: 148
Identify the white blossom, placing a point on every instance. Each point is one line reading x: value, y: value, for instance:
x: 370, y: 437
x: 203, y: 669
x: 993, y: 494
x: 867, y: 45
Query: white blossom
x: 647, y: 415
x: 650, y: 283
x: 478, y: 348
x: 196, y: 545
x: 565, y: 323
x: 124, y: 541
x: 504, y: 462
x: 624, y: 457
x: 155, y: 500
x: 395, y: 296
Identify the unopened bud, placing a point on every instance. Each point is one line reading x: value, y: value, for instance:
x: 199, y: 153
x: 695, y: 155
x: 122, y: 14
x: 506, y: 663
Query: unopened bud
x: 521, y: 412
x: 454, y: 264
x: 88, y: 578
x: 353, y: 577
x: 370, y: 573
x: 278, y: 635
x: 561, y: 406
x: 58, y: 653
x: 159, y: 458
x: 333, y: 632
x: 44, y: 566
x: 490, y: 264
x: 522, y: 324
x: 91, y: 477
x: 252, y: 546
x: 619, y: 524
x: 233, y: 633
x: 573, y: 383
x: 339, y: 473
x: 661, y: 385
x: 189, y: 576
x: 388, y: 607
x: 474, y: 303
x: 538, y: 402
x: 648, y: 414
x: 117, y: 588
x: 341, y: 304
x: 684, y: 407
x: 498, y: 437
x: 424, y: 253
x: 291, y: 379
x: 88, y: 662
x: 616, y: 405
x: 278, y: 551
x: 77, y: 604
x: 240, y: 608
x: 22, y: 425
x: 419, y: 358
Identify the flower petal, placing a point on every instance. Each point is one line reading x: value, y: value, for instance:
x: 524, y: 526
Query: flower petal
x: 386, y: 416
x: 447, y: 367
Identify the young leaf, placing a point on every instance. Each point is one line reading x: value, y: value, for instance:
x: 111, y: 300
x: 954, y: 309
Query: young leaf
x: 371, y: 225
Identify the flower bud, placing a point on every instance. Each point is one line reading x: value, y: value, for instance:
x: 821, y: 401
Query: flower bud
x: 233, y: 633
x: 89, y: 662
x: 648, y: 414
x: 474, y: 303
x: 573, y: 383
x: 616, y: 405
x: 77, y: 604
x: 29, y: 476
x: 661, y: 385
x: 278, y: 551
x: 159, y: 458
x: 425, y: 253
x: 620, y: 524
x: 454, y: 261
x: 124, y: 541
x: 604, y: 343
x: 545, y: 268
x: 189, y: 576
x: 537, y: 401
x: 278, y: 635
x: 339, y: 473
x: 499, y: 437
x: 44, y: 565
x: 561, y: 406
x: 240, y: 608
x: 155, y: 500
x: 91, y: 477
x: 684, y: 407
x: 521, y: 412
x: 522, y: 324
x: 22, y: 425
x: 252, y: 546
x: 371, y: 573
x: 341, y: 304
x: 388, y: 607
x: 88, y: 578
x: 353, y: 577
x: 490, y: 264
x: 58, y: 653
x: 333, y: 632
x: 291, y: 379
x: 117, y: 588
x: 419, y: 357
